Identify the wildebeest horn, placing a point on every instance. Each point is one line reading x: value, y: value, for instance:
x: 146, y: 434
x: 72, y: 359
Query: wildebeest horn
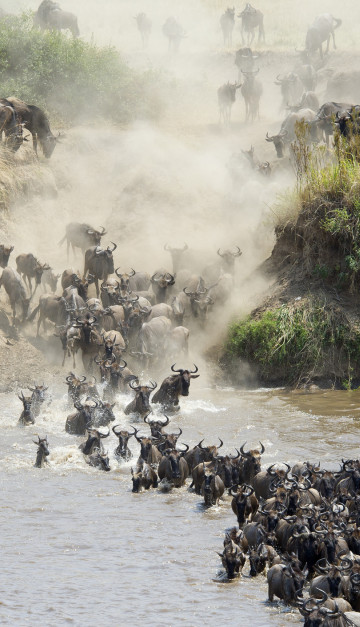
x: 243, y: 452
x: 200, y: 443
x: 262, y: 451
x: 153, y: 385
x: 269, y: 139
x: 104, y: 435
x: 238, y: 253
x: 193, y: 371
x: 133, y: 387
x: 221, y: 443
x: 113, y: 248
x: 188, y: 293
x: 186, y: 448
x: 173, y: 369
x: 219, y: 253
x: 135, y: 433
x: 103, y: 232
x: 147, y: 415
x: 164, y: 424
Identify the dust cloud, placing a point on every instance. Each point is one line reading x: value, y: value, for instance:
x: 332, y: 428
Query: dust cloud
x: 176, y: 180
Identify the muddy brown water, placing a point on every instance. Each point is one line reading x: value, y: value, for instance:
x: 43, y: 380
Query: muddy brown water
x: 78, y: 547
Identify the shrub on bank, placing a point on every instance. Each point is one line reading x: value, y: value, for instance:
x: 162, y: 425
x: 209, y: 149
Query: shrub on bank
x: 72, y: 79
x: 305, y: 340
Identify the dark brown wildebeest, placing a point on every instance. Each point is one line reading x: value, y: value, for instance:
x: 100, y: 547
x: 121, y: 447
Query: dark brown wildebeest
x: 42, y: 452
x: 251, y: 19
x: 90, y: 339
x: 26, y: 416
x: 174, y: 468
x: 200, y: 453
x: 16, y: 291
x: 148, y: 452
x: 226, y: 98
x: 51, y: 17
x: 5, y: 252
x: 232, y: 558
x: 81, y: 421
x: 284, y: 583
x: 251, y: 91
x: 212, y: 488
x: 320, y: 31
x: 76, y: 387
x: 244, y: 503
x: 175, y: 386
x: 157, y: 426
x: 122, y: 451
x: 35, y: 121
x: 99, y: 263
x: 81, y: 235
x: 140, y: 405
x: 144, y: 476
x: 227, y: 23
x: 251, y: 464
x: 93, y: 441
x: 30, y: 268
x: 144, y: 27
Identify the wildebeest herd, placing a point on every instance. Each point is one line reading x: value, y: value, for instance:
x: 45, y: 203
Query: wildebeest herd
x: 301, y: 524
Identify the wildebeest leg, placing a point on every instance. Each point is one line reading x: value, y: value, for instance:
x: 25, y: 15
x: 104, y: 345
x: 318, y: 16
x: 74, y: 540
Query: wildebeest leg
x: 321, y: 51
x: 35, y: 144
x: 333, y: 36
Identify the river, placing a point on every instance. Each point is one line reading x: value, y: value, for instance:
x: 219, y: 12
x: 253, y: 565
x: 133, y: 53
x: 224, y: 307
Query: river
x: 78, y: 547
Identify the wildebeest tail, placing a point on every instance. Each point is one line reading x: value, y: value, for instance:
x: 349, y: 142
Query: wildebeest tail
x: 338, y: 22
x: 62, y: 240
x: 33, y: 314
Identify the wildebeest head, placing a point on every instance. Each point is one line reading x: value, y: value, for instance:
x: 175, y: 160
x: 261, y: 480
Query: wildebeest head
x: 279, y: 142
x: 252, y: 461
x: 27, y: 413
x: 232, y: 558
x: 123, y: 436
x: 176, y: 255
x: 39, y: 269
x: 257, y: 559
x: 142, y: 396
x: 38, y: 393
x: 228, y: 258
x: 5, y: 252
x: 76, y: 385
x: 93, y: 441
x: 156, y: 426
x: 125, y: 280
x: 42, y: 452
x: 182, y: 380
x: 106, y: 255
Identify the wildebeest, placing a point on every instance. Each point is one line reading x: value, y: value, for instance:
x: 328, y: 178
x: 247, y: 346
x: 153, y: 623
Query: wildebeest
x: 16, y: 291
x: 144, y: 476
x: 11, y: 126
x: 284, y: 583
x: 226, y: 98
x: 151, y: 338
x: 309, y: 100
x: 291, y: 88
x: 245, y: 60
x: 5, y: 252
x: 212, y: 488
x: 174, y: 33
x: 174, y: 468
x: 35, y: 121
x: 122, y: 451
x: 287, y: 133
x: 176, y: 256
x: 42, y: 452
x: 200, y: 453
x: 49, y: 278
x: 140, y: 405
x: 148, y: 451
x: 227, y: 23
x: 320, y: 31
x: 37, y: 398
x: 26, y: 416
x: 175, y: 386
x: 325, y: 119
x: 232, y: 558
x: 50, y: 16
x: 251, y: 91
x: 99, y: 459
x: 53, y: 308
x: 161, y: 282
x: 81, y: 235
x: 144, y: 25
x: 81, y: 420
x: 94, y: 441
x: 99, y: 263
x: 251, y: 19
x: 30, y: 268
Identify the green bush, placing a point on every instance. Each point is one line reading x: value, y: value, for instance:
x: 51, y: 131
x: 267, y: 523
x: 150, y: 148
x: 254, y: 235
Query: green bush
x: 70, y: 78
x: 303, y: 339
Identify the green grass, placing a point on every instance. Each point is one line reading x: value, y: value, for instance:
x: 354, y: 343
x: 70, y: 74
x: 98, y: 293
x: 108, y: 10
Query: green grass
x: 303, y: 340
x: 72, y: 79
